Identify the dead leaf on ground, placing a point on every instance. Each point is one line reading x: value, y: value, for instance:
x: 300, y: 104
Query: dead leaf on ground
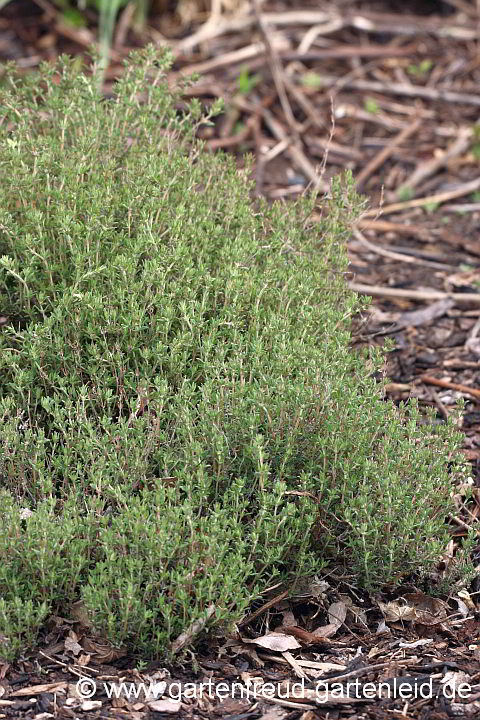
x: 337, y: 612
x: 72, y: 645
x: 414, y: 607
x: 102, y: 653
x: 278, y: 642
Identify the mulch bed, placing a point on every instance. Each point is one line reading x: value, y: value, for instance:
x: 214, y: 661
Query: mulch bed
x: 391, y: 91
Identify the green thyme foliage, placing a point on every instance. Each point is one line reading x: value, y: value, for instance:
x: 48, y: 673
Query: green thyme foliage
x: 180, y: 410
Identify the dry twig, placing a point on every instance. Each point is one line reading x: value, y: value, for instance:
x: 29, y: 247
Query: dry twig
x: 427, y: 168
x: 384, y: 154
x: 396, y: 256
x: 451, y: 386
x: 276, y: 70
x: 377, y: 291
x: 464, y: 189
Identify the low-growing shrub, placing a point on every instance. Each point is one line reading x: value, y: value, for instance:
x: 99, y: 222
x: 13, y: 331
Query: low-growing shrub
x: 181, y: 412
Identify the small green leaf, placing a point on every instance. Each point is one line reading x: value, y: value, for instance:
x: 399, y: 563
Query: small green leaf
x: 371, y: 105
x: 405, y: 193
x: 312, y: 80
x: 72, y: 16
x: 421, y: 69
x: 246, y: 82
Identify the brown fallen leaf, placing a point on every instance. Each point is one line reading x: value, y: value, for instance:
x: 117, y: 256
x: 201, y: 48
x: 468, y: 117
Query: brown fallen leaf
x: 278, y: 642
x: 394, y: 611
x: 337, y: 612
x: 429, y: 610
x: 414, y: 607
x: 102, y: 653
x: 71, y: 643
